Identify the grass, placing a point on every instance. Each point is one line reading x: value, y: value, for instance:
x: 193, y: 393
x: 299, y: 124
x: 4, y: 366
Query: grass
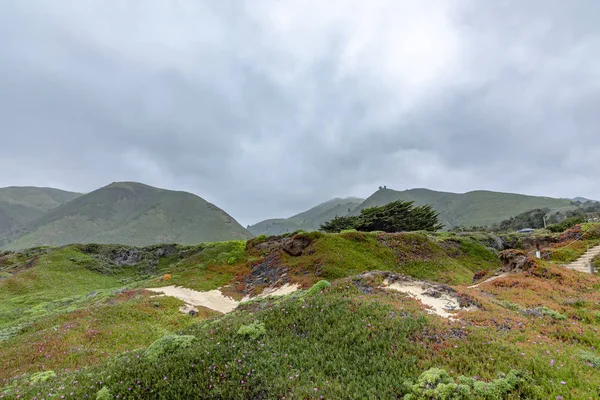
x: 91, y: 335
x: 214, y: 265
x: 59, y: 282
x: 81, y: 326
x: 446, y: 259
x: 343, y: 343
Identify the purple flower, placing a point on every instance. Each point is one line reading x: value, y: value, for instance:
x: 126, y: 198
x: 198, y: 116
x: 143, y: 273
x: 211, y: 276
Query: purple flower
x: 563, y: 383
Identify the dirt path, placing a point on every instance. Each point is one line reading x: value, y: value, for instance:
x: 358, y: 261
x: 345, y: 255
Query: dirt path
x: 493, y: 278
x: 214, y: 299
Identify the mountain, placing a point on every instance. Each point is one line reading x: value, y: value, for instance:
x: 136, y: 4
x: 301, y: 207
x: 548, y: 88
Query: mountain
x: 134, y: 214
x: 584, y: 200
x: 21, y: 205
x: 308, y: 220
x: 477, y: 208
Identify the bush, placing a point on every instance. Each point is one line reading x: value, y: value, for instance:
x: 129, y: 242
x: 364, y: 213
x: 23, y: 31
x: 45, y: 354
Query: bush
x: 436, y: 384
x: 168, y: 345
x: 567, y: 224
x: 317, y: 287
x: 253, y: 330
x: 590, y: 358
x: 42, y: 377
x: 554, y: 314
x: 596, y: 262
x: 104, y: 394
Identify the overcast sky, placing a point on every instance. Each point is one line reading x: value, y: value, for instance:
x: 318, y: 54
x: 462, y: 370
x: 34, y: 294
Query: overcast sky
x: 266, y: 108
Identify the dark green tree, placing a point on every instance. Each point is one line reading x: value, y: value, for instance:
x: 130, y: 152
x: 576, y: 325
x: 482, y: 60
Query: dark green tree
x: 398, y: 216
x: 339, y: 224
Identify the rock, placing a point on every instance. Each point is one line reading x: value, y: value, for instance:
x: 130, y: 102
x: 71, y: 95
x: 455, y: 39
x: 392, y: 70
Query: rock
x: 292, y: 245
x: 127, y: 257
x: 296, y: 245
x: 516, y: 260
x: 188, y: 309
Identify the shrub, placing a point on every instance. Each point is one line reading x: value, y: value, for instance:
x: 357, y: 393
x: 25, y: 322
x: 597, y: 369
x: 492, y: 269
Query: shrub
x: 567, y: 224
x: 253, y: 330
x: 590, y: 358
x: 317, y: 287
x: 436, y: 384
x: 260, y: 239
x: 104, y: 394
x: 42, y: 376
x: 168, y: 345
x: 554, y: 314
x: 596, y: 262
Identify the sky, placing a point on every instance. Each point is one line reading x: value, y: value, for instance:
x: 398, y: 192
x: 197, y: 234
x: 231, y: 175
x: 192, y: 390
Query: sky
x: 267, y: 108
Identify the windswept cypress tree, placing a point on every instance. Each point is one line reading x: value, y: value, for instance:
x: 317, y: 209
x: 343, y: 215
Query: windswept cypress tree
x: 398, y: 216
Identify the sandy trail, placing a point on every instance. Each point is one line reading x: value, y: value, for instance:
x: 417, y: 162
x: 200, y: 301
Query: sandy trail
x: 440, y: 304
x: 493, y: 278
x: 214, y: 299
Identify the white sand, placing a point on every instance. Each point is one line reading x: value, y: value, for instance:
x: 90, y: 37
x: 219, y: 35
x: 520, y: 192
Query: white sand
x: 214, y: 299
x: 280, y: 291
x: 437, y: 305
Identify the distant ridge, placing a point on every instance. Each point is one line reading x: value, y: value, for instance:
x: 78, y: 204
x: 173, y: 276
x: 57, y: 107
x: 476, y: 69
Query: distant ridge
x: 309, y: 220
x: 476, y: 208
x: 131, y: 213
x: 21, y: 205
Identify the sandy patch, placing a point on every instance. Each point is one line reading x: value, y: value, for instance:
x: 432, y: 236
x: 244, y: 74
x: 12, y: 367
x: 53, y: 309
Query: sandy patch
x: 280, y: 291
x: 215, y: 299
x: 212, y: 299
x: 438, y: 302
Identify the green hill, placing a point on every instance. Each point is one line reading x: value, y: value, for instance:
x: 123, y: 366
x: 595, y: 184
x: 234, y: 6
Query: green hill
x: 21, y: 205
x: 309, y: 220
x: 131, y: 213
x: 477, y: 208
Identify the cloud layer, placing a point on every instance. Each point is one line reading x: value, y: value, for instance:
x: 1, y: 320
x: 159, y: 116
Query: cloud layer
x: 266, y: 108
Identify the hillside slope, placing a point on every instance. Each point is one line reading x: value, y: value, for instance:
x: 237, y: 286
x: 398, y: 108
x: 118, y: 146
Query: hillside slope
x: 309, y: 220
x: 477, y: 208
x: 528, y: 334
x: 132, y: 213
x: 21, y: 205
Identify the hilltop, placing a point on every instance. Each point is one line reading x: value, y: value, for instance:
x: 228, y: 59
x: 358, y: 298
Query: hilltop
x: 21, y: 205
x: 130, y: 213
x: 477, y: 208
x: 310, y: 220
x: 370, y: 320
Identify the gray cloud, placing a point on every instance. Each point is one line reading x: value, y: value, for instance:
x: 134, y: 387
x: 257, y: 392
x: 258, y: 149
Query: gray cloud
x: 266, y: 107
